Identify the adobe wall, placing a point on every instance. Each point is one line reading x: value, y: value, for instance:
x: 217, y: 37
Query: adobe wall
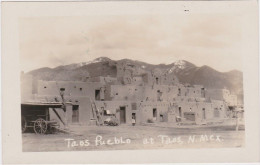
x: 146, y: 78
x: 160, y: 93
x: 102, y: 79
x: 215, y: 94
x: 232, y: 100
x: 65, y: 116
x: 114, y: 108
x: 169, y: 79
x: 126, y: 69
x: 147, y: 92
x: 127, y: 92
x: 197, y: 108
x: 85, y: 109
x: 222, y: 94
x: 72, y: 88
x: 147, y: 108
x: 137, y: 81
x: 167, y: 111
x: 194, y: 91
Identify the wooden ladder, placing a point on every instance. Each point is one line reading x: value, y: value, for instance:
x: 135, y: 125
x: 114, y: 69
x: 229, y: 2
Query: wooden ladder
x: 96, y: 114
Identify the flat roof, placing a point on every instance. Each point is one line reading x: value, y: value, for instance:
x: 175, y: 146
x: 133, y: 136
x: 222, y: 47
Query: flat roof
x: 46, y: 104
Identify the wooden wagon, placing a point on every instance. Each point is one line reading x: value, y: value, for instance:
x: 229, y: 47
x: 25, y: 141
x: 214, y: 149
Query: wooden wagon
x: 37, y: 116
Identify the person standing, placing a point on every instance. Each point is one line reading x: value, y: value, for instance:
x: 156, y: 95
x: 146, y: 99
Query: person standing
x: 133, y: 121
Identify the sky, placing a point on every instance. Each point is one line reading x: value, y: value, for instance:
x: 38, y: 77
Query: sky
x: 215, y: 39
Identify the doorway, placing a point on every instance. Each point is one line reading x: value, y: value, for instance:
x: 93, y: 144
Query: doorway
x: 122, y: 115
x: 75, y: 113
x: 161, y: 118
x: 190, y: 116
x: 97, y: 94
x: 180, y: 112
x: 134, y: 116
x: 154, y: 113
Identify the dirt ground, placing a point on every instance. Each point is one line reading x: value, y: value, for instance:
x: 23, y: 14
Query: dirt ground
x: 127, y: 137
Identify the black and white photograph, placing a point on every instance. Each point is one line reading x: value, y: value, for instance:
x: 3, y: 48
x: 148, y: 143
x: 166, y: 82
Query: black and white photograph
x: 143, y: 79
x: 131, y: 82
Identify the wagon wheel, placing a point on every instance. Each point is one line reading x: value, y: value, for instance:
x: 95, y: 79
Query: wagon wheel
x: 24, y: 124
x: 40, y: 126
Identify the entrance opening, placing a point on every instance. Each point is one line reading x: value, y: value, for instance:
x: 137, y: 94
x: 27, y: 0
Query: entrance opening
x: 203, y: 113
x: 161, y: 118
x: 75, y: 113
x: 134, y: 116
x: 97, y: 94
x: 189, y: 116
x: 154, y: 113
x: 122, y: 115
x: 180, y: 112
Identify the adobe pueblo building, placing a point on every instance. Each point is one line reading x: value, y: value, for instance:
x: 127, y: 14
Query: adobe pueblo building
x: 146, y: 96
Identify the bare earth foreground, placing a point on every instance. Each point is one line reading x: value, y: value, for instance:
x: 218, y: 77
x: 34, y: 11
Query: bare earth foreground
x: 126, y: 137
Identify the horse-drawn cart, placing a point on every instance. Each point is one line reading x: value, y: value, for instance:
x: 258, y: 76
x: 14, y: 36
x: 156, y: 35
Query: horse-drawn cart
x: 37, y: 116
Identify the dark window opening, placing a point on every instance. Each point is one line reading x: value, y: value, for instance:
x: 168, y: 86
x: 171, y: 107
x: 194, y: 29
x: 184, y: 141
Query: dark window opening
x: 97, y: 94
x: 62, y: 89
x: 154, y: 113
x: 116, y: 93
x: 80, y: 89
x: 45, y: 87
x: 75, y: 113
x: 180, y: 112
x: 157, y: 80
x: 122, y: 115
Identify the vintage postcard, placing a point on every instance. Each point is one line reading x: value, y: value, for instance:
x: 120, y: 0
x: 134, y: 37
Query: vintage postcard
x: 130, y: 81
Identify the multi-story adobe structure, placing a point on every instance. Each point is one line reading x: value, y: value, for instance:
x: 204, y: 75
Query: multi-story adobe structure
x: 134, y: 93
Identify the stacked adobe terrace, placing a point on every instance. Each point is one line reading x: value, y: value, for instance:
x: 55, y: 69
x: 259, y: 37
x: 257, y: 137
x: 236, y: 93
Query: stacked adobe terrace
x: 126, y: 91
